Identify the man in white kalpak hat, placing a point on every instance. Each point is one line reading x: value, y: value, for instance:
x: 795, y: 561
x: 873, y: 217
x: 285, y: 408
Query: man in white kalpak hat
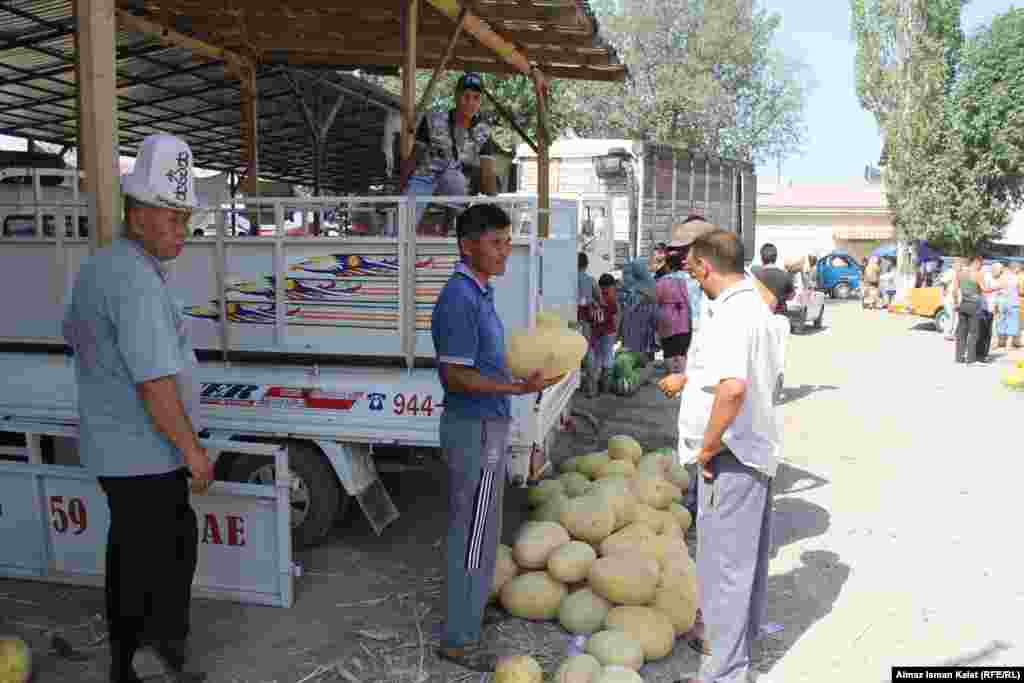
x: 137, y: 403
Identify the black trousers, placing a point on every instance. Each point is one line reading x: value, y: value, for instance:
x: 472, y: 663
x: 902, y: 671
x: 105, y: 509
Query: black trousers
x: 985, y: 322
x: 152, y: 550
x: 968, y: 337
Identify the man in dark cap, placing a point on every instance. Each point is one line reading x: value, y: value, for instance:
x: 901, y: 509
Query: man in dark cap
x: 454, y: 152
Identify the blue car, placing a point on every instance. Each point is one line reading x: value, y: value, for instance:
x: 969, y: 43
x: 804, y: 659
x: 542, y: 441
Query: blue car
x: 838, y: 274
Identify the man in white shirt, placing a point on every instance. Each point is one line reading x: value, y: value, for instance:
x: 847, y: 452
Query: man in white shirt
x: 729, y: 427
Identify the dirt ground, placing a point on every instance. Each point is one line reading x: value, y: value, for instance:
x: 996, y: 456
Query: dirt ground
x: 873, y: 566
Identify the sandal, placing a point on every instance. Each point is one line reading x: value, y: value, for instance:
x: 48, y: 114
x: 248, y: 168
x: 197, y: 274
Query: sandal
x: 699, y: 645
x: 493, y: 615
x: 473, y: 658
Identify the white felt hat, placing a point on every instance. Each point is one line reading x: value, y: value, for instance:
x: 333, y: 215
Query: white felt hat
x: 163, y: 174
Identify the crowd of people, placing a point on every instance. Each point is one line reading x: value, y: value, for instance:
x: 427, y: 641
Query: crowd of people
x: 983, y: 307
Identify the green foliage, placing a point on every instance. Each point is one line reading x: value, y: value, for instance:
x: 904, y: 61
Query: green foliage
x: 941, y: 109
x: 702, y: 75
x: 988, y: 115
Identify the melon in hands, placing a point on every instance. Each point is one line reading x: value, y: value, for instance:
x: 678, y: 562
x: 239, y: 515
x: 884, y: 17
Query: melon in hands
x: 583, y: 611
x: 571, y: 562
x: 518, y: 669
x: 649, y: 627
x: 616, y: 648
x: 553, y: 351
x: 535, y: 543
x: 534, y: 595
x: 579, y: 669
x: 624, y: 447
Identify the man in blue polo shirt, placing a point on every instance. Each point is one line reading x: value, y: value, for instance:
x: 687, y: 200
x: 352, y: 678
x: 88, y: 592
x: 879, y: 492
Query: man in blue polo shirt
x: 470, y: 343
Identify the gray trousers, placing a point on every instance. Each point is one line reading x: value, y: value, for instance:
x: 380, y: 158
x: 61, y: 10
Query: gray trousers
x: 734, y: 539
x: 477, y: 454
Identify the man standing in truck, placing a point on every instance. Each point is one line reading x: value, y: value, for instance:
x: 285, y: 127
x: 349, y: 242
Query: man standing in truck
x: 469, y: 339
x: 454, y: 152
x: 137, y: 402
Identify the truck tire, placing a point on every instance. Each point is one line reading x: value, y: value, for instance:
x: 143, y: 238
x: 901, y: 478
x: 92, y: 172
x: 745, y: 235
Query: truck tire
x: 820, y: 319
x: 841, y: 291
x: 941, y: 319
x: 317, y: 499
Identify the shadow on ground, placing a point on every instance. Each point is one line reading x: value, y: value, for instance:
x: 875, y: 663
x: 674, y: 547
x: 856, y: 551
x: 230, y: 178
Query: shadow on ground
x: 924, y: 326
x: 792, y: 479
x: 792, y: 394
x: 798, y: 599
x: 796, y: 519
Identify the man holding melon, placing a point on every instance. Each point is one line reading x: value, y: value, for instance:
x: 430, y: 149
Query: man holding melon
x: 469, y: 339
x: 729, y: 428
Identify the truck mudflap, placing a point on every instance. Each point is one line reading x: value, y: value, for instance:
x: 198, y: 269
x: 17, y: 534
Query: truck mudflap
x: 54, y: 521
x: 355, y: 467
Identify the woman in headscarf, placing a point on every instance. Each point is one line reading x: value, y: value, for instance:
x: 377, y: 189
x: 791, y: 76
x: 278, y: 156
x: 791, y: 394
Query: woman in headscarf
x: 640, y: 310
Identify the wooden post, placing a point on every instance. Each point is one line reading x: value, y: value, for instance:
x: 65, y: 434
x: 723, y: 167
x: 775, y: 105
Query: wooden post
x: 250, y: 182
x: 97, y: 68
x: 543, y: 163
x: 410, y: 19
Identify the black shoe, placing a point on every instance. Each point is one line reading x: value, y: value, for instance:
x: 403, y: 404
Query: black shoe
x: 121, y: 670
x: 171, y: 653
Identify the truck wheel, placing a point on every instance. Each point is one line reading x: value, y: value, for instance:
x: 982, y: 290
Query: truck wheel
x: 841, y: 291
x: 820, y: 319
x: 941, y: 320
x: 317, y: 499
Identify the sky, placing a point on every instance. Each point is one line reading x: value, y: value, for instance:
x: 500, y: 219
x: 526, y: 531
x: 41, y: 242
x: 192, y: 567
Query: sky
x: 842, y: 138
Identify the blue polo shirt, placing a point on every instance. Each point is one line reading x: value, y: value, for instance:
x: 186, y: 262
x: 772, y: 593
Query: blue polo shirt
x: 467, y: 331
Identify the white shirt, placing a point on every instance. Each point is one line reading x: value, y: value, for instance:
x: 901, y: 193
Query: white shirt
x: 740, y: 340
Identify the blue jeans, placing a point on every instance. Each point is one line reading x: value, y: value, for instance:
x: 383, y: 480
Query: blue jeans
x: 449, y: 183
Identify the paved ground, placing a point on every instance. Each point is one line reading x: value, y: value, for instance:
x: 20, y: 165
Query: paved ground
x: 896, y: 539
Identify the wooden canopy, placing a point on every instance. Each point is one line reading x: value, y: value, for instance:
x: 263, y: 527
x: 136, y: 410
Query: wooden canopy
x: 558, y: 35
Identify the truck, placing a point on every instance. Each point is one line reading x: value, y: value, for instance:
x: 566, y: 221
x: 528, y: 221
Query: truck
x: 317, y: 345
x: 633, y: 192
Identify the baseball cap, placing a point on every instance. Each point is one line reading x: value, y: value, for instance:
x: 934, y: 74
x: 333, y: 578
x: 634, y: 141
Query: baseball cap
x: 470, y: 81
x: 163, y: 175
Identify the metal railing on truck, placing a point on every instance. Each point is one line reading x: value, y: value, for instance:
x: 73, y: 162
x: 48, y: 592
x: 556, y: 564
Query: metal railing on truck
x: 289, y: 293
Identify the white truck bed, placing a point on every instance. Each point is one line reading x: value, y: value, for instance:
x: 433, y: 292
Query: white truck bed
x: 391, y: 406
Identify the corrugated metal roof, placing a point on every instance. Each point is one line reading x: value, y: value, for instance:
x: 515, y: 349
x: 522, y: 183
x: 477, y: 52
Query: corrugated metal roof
x: 166, y: 89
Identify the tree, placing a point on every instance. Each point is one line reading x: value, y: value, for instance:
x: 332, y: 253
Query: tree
x: 989, y: 113
x: 702, y: 75
x: 906, y: 64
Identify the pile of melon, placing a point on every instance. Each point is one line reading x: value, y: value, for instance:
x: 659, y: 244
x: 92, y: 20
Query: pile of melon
x: 604, y: 554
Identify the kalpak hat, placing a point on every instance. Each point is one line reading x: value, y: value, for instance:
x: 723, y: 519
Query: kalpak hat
x: 163, y: 174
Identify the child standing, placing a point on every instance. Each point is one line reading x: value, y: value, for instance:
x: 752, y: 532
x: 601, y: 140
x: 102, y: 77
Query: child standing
x: 606, y: 332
